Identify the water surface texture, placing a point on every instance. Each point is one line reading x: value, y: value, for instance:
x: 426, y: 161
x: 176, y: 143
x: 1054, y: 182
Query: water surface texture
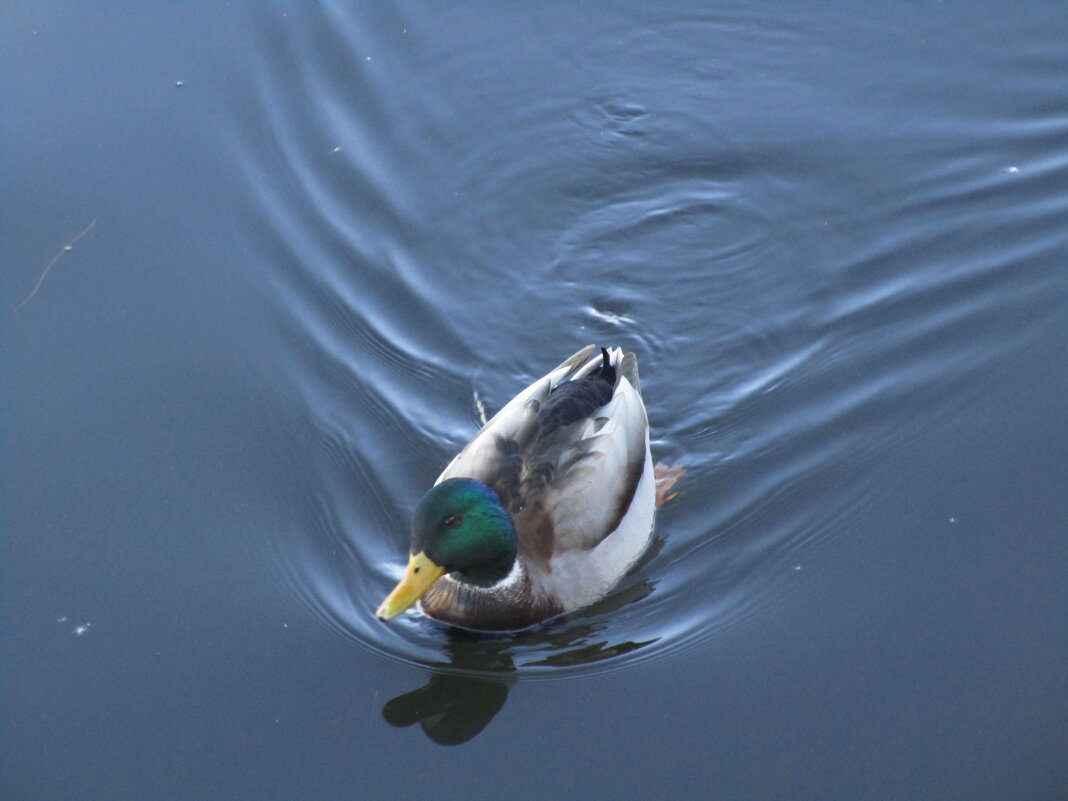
x: 264, y: 263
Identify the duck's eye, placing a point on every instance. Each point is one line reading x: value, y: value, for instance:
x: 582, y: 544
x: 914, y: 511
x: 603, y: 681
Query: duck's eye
x: 452, y: 521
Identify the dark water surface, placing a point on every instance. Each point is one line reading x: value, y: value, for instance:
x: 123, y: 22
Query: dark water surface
x: 835, y: 236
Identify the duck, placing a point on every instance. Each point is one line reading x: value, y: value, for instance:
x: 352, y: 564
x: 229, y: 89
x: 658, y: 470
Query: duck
x: 544, y: 510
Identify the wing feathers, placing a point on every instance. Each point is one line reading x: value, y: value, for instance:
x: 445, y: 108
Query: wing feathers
x: 567, y: 482
x: 597, y: 478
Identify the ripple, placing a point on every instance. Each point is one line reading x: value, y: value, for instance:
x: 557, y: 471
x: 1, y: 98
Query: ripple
x: 789, y: 338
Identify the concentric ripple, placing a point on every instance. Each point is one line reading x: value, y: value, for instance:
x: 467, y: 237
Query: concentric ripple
x: 419, y: 267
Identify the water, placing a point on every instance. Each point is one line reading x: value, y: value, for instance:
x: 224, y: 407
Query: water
x: 833, y: 236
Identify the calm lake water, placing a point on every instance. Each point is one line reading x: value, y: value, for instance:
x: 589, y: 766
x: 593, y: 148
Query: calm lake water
x: 306, y: 240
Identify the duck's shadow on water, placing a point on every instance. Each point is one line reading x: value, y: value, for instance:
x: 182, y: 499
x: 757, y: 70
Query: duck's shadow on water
x: 466, y: 691
x: 454, y: 705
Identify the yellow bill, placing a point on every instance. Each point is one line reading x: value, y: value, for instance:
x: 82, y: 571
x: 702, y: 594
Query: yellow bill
x: 418, y: 577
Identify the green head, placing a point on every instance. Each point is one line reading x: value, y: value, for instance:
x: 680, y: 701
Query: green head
x: 461, y: 526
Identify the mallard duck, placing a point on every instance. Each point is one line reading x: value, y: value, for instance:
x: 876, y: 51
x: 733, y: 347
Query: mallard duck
x: 544, y: 510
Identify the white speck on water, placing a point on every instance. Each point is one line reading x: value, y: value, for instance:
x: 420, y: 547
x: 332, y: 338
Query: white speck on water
x: 179, y: 84
x: 1013, y: 170
x: 68, y: 248
x: 61, y: 619
x: 797, y: 567
x: 82, y: 629
x: 952, y: 520
x: 368, y: 58
x: 336, y: 149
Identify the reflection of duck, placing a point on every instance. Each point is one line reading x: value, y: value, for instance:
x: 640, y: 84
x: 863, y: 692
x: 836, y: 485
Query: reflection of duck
x: 544, y: 510
x: 451, y: 709
x: 465, y: 692
x: 461, y: 696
